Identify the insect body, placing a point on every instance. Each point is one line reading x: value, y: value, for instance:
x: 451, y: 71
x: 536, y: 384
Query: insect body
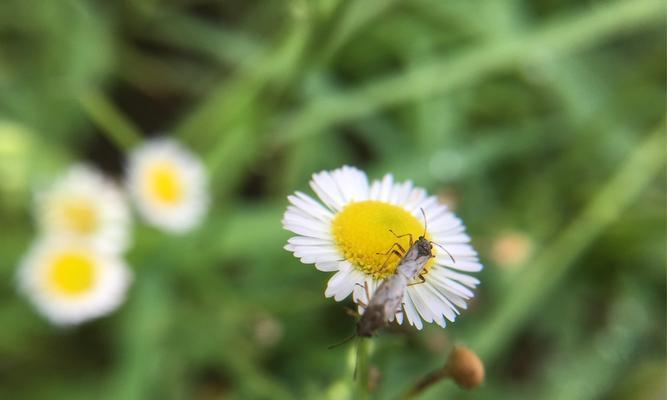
x: 386, y: 301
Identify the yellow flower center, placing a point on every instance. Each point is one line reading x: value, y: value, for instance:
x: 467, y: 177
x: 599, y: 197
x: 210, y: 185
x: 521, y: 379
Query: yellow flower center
x: 79, y: 215
x: 72, y: 273
x: 362, y: 232
x: 164, y: 183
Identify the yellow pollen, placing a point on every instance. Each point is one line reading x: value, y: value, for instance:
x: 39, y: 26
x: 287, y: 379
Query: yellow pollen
x: 164, y: 183
x: 361, y: 231
x: 79, y: 215
x: 71, y: 273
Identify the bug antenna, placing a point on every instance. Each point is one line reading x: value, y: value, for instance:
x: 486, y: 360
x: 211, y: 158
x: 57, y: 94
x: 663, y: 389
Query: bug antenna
x: 424, y: 215
x: 347, y: 339
x: 448, y: 253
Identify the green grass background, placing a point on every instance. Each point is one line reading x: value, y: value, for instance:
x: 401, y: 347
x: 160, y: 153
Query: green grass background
x: 543, y: 117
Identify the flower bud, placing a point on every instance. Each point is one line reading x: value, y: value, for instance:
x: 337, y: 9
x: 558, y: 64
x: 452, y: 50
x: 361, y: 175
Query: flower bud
x: 465, y: 368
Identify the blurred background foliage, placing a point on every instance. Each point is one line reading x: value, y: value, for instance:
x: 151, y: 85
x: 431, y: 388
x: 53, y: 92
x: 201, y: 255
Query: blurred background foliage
x: 539, y: 122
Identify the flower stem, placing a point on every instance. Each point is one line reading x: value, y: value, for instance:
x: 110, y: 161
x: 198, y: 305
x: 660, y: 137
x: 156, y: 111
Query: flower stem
x: 361, y: 368
x: 426, y: 382
x: 120, y: 130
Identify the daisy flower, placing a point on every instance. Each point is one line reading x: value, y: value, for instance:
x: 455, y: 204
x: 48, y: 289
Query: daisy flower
x: 349, y: 229
x: 71, y: 281
x: 84, y: 204
x: 168, y: 185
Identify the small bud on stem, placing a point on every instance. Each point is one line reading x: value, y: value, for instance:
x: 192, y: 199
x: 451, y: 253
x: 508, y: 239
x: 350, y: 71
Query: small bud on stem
x: 463, y: 366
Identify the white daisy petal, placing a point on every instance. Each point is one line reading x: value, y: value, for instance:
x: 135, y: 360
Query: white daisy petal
x: 439, y: 305
x: 399, y: 316
x: 342, y: 283
x: 292, y: 218
x: 300, y: 251
x: 461, y: 249
x: 321, y: 258
x: 386, y: 187
x: 330, y: 266
x: 308, y: 241
x: 410, y: 311
x: 352, y: 183
x: 307, y: 232
x: 438, y: 275
x: 426, y: 205
x: 420, y: 302
x: 465, y: 279
x: 415, y: 198
x: 442, y: 304
x: 444, y: 240
x: 327, y: 190
x: 458, y: 263
x: 310, y: 207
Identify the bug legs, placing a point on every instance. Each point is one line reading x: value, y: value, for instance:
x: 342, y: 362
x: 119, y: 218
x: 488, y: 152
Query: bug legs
x: 404, y: 235
x: 352, y: 312
x: 421, y: 280
x: 392, y: 251
x: 366, y: 290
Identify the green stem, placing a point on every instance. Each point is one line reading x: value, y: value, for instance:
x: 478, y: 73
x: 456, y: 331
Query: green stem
x: 361, y: 368
x: 110, y: 120
x: 426, y: 382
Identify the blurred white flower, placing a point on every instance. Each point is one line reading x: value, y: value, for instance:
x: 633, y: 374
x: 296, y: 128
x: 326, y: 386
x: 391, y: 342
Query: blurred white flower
x: 349, y: 231
x: 84, y: 204
x: 71, y: 281
x: 168, y: 184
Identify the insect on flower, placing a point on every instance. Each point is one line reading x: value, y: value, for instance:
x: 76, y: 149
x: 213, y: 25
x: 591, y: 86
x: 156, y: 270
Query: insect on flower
x: 387, y: 300
x: 348, y: 229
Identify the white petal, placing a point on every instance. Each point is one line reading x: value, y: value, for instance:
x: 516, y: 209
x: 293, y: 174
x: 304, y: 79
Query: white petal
x: 321, y: 258
x: 441, y: 303
x: 415, y: 198
x: 352, y: 183
x: 300, y: 230
x: 399, y: 192
x: 327, y: 190
x: 308, y: 241
x: 292, y: 218
x: 385, y: 187
x: 437, y: 275
x: 459, y: 263
x: 421, y: 302
x: 342, y: 283
x: 461, y: 249
x: 310, y: 206
x: 330, y: 266
x: 410, y: 311
x: 467, y: 280
x: 446, y: 239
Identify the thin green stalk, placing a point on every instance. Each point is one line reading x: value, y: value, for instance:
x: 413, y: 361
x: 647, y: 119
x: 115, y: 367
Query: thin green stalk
x: 118, y: 128
x: 553, y: 263
x: 558, y: 38
x: 547, y: 270
x: 361, y: 368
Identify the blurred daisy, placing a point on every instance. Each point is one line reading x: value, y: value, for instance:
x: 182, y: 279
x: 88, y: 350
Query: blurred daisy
x: 70, y: 282
x: 168, y: 184
x: 83, y: 204
x: 346, y: 231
